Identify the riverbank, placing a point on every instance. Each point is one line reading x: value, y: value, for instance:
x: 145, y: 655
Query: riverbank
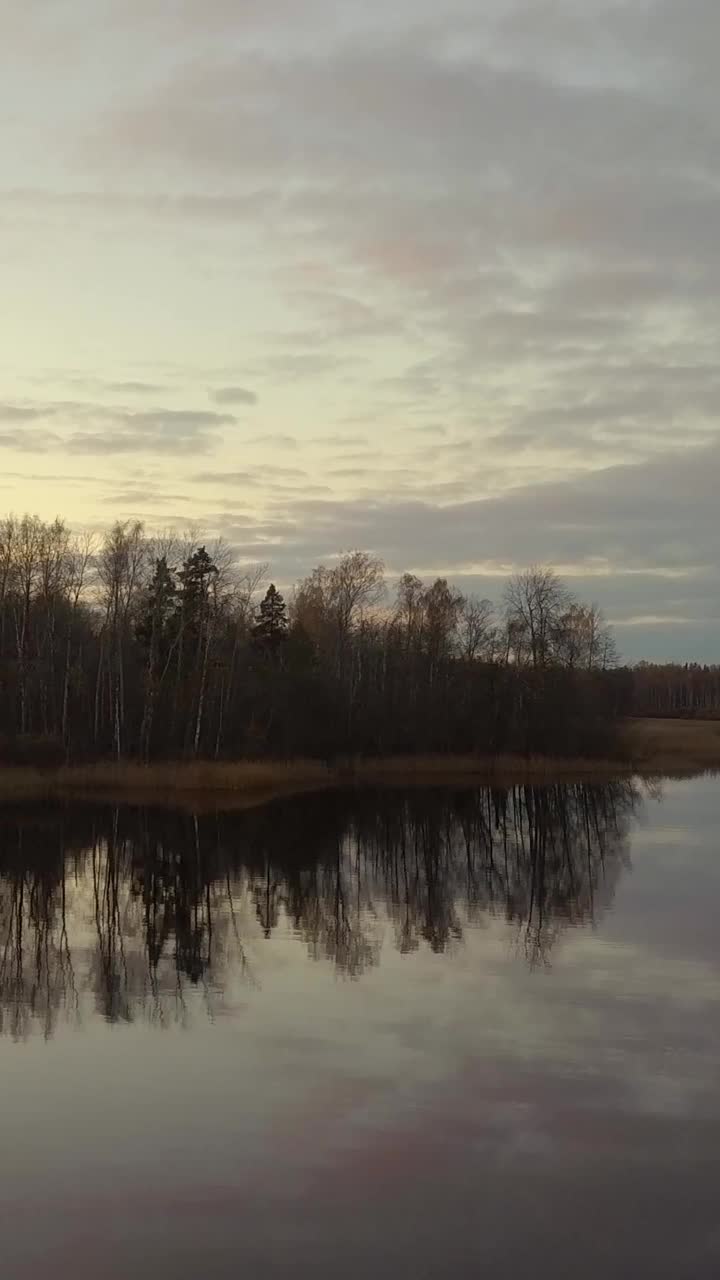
x: 647, y: 748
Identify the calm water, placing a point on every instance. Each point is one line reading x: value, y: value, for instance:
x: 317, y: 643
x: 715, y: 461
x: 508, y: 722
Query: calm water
x: 416, y: 1035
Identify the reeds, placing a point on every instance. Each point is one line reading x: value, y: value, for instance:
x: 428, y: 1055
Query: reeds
x: 247, y: 782
x: 672, y: 746
x: 646, y: 747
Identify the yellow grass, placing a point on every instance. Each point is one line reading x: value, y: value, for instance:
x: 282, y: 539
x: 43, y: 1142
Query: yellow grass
x: 672, y: 746
x: 241, y: 782
x: 647, y: 747
x: 246, y: 783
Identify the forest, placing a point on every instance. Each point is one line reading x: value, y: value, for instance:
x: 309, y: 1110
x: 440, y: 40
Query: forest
x: 137, y: 647
x: 676, y: 690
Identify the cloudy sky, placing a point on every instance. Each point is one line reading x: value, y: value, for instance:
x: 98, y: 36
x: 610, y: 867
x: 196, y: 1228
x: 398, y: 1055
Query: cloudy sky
x: 437, y: 279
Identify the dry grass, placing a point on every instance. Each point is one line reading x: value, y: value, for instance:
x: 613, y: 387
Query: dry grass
x: 648, y: 747
x: 248, y: 783
x: 673, y: 746
x: 18, y: 782
x: 241, y: 783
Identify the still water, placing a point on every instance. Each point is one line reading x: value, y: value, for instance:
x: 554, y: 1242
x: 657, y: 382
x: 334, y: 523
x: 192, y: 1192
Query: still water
x: 418, y: 1034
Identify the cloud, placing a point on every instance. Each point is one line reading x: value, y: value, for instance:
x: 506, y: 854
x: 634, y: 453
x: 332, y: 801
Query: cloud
x: 273, y: 440
x: 65, y: 478
x: 502, y: 218
x: 178, y: 431
x: 250, y: 475
x: 295, y: 366
x: 15, y: 413
x: 412, y: 109
x: 161, y: 207
x: 340, y: 439
x: 133, y: 387
x: 146, y: 496
x: 31, y: 441
x: 428, y: 429
x: 631, y: 537
x: 110, y: 431
x: 233, y: 395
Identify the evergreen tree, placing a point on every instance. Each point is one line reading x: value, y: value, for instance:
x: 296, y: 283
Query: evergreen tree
x: 271, y: 626
x: 157, y: 624
x: 157, y: 631
x: 197, y: 575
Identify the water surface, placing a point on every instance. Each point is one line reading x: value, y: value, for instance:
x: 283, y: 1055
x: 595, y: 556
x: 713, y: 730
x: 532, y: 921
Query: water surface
x: 402, y: 1034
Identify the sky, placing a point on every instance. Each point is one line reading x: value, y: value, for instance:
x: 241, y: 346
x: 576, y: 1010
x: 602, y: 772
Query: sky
x: 437, y: 280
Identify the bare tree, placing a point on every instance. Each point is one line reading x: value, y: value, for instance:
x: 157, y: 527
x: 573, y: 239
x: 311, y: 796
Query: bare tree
x: 335, y: 599
x: 534, y: 603
x: 81, y: 551
x: 409, y: 608
x: 120, y: 563
x: 478, y: 631
x: 583, y: 640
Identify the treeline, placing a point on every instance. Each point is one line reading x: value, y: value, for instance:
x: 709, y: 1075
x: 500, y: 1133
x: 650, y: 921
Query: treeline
x: 137, y: 647
x: 675, y: 690
x: 181, y: 902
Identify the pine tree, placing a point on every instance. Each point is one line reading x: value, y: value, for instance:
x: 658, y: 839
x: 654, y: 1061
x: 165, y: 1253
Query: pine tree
x: 196, y: 579
x: 157, y: 623
x: 198, y: 602
x: 156, y: 630
x: 271, y: 627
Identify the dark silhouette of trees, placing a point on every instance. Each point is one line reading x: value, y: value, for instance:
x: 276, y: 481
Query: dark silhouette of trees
x: 271, y: 627
x: 119, y: 575
x: 673, y: 689
x: 158, y: 632
x: 141, y: 648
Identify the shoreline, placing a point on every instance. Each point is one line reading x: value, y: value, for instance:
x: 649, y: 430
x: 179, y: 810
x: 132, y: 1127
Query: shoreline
x: 647, y: 748
x: 247, y: 784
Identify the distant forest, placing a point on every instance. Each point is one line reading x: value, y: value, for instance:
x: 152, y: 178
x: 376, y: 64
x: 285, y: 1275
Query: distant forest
x: 150, y: 648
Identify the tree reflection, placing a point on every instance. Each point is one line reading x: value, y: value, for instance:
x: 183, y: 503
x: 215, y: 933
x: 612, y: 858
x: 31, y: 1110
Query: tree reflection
x: 36, y: 964
x: 127, y: 913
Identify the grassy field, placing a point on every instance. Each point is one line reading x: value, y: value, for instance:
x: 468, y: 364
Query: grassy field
x: 647, y: 747
x: 672, y: 746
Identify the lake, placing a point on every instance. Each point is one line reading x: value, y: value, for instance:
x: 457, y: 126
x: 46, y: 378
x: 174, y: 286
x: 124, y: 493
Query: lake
x: 427, y: 1033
